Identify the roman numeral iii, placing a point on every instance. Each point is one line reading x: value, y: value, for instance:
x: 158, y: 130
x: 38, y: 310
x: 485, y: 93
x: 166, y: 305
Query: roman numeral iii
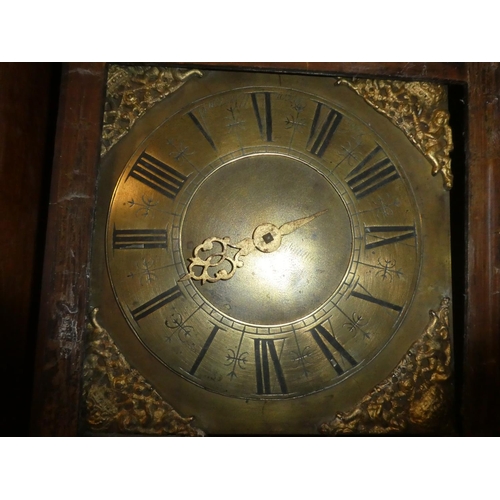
x: 371, y: 174
x: 158, y: 175
x: 266, y: 357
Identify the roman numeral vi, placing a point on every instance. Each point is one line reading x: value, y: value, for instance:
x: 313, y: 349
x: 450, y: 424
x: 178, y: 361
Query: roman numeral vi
x: 266, y: 357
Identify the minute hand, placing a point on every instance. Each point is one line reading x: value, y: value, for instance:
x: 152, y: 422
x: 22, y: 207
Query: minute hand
x: 290, y: 227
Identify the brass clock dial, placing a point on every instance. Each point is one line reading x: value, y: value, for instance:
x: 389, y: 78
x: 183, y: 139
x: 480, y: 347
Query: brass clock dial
x: 264, y: 246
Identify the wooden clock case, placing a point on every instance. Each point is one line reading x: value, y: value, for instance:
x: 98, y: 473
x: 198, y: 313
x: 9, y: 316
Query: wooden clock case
x: 476, y: 235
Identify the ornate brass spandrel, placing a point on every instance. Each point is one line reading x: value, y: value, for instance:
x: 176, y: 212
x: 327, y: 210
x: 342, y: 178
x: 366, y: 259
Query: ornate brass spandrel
x: 131, y: 91
x: 118, y: 400
x: 419, y: 109
x: 415, y: 398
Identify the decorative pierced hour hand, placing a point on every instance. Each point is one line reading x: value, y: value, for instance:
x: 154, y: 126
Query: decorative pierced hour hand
x: 213, y: 260
x: 266, y: 238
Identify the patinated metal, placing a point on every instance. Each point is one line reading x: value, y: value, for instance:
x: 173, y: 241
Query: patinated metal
x: 340, y: 228
x: 420, y: 110
x: 118, y: 400
x: 131, y: 91
x: 416, y: 398
x: 266, y: 238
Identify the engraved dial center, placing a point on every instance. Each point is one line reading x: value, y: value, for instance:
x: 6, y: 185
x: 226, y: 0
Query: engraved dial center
x: 292, y: 215
x: 267, y: 238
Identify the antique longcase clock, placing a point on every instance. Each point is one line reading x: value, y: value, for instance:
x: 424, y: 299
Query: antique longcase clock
x: 270, y: 255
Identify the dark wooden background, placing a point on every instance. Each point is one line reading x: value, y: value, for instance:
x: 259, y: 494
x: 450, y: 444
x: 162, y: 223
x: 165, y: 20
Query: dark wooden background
x: 28, y: 112
x: 49, y: 144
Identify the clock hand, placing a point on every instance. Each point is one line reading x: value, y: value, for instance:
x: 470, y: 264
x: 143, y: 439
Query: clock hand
x: 266, y: 238
x: 214, y: 260
x: 289, y: 227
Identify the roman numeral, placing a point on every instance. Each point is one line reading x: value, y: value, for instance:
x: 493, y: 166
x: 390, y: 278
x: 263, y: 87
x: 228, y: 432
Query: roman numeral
x: 324, y: 125
x: 371, y: 175
x: 377, y: 236
x: 131, y: 239
x: 320, y: 334
x: 265, y: 356
x: 365, y: 295
x: 154, y: 304
x: 158, y: 175
x: 264, y: 116
x: 204, y: 350
x: 202, y: 129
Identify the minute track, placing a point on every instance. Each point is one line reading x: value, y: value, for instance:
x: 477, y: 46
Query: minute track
x: 286, y: 325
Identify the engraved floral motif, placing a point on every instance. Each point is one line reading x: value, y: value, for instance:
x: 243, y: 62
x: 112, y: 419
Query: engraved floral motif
x: 234, y: 358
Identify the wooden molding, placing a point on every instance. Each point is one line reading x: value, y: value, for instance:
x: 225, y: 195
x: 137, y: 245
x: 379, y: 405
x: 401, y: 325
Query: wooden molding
x: 65, y: 277
x: 481, y: 407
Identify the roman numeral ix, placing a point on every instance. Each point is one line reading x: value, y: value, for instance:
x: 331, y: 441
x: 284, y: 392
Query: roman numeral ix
x: 158, y: 175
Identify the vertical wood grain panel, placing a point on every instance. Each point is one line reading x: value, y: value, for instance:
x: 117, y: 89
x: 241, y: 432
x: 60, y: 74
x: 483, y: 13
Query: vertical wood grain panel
x: 482, y: 339
x: 63, y: 306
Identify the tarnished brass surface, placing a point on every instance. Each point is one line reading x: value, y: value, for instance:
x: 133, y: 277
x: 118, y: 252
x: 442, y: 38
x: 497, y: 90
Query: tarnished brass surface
x: 266, y: 238
x: 416, y: 398
x: 420, y: 109
x: 117, y: 398
x: 131, y: 91
x: 316, y: 316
